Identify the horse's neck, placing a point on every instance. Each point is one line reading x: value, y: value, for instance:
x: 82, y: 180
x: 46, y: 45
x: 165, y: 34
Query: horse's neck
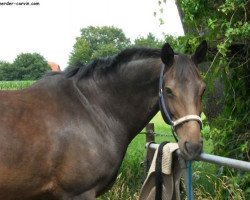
x: 129, y: 99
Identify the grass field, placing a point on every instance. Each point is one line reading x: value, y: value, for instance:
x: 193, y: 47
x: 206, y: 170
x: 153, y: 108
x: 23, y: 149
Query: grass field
x: 14, y: 85
x: 207, y: 183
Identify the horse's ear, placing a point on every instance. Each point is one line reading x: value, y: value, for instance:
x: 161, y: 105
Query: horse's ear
x: 167, y: 54
x: 200, y: 52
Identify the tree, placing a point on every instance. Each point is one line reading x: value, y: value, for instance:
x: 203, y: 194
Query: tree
x: 26, y: 66
x: 4, y: 69
x: 105, y: 50
x: 97, y: 42
x: 81, y: 53
x: 150, y: 41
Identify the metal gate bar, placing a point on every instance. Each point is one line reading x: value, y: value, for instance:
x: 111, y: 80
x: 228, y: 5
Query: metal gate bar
x: 219, y: 160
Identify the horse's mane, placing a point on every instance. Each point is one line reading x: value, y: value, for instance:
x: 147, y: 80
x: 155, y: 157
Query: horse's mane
x: 107, y: 64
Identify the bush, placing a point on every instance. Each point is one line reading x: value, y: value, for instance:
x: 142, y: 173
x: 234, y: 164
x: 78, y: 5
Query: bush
x: 26, y: 66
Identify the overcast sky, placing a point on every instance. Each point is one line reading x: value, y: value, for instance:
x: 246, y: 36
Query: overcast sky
x: 51, y: 27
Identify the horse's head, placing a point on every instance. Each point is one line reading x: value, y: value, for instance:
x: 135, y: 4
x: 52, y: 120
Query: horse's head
x: 182, y: 91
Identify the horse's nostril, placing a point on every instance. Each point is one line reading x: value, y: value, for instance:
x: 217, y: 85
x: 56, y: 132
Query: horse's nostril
x: 193, y: 148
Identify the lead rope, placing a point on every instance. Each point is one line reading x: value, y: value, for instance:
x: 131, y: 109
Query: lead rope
x: 158, y: 172
x: 189, y: 185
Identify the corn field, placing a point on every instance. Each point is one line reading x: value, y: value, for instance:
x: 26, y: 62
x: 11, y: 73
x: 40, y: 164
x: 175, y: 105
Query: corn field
x: 15, y: 85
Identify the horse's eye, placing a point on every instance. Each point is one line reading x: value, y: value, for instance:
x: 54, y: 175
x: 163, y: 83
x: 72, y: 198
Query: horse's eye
x: 203, y: 91
x: 169, y: 92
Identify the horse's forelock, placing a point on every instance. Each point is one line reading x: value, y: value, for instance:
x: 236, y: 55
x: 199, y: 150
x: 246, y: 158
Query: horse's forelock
x: 185, y: 67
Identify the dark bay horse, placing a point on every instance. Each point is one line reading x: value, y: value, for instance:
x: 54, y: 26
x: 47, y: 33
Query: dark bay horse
x: 65, y: 136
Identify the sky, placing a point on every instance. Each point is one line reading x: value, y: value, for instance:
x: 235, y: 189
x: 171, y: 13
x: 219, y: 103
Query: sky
x: 51, y: 27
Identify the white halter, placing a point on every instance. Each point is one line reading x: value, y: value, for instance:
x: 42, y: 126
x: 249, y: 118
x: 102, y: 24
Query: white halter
x: 187, y: 118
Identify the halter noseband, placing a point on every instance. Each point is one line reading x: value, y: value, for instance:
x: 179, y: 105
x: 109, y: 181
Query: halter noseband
x: 165, y: 111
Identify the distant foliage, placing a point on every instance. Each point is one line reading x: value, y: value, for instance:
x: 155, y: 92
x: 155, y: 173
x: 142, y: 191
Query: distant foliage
x: 26, y: 66
x: 5, y: 68
x: 150, y: 41
x: 96, y: 42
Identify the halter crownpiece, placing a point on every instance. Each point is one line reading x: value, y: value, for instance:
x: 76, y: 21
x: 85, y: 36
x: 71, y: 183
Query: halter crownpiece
x: 165, y: 111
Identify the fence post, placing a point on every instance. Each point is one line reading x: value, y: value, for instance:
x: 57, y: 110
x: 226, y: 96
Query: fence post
x: 150, y: 137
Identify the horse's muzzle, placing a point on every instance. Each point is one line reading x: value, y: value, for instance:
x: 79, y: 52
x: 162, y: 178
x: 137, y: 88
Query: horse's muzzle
x: 192, y: 150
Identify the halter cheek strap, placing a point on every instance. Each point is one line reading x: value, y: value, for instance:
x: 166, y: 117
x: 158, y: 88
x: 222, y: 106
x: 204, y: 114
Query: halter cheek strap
x: 165, y: 111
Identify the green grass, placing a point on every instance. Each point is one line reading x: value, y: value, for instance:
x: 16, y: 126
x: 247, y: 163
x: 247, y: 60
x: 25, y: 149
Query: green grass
x: 207, y: 183
x: 15, y: 85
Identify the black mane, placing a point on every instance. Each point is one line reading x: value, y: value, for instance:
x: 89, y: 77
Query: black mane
x: 104, y: 65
